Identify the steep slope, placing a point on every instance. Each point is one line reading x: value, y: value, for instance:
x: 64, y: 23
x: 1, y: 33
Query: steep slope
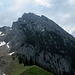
x: 18, y: 69
x: 4, y: 49
x: 38, y: 40
x: 4, y: 40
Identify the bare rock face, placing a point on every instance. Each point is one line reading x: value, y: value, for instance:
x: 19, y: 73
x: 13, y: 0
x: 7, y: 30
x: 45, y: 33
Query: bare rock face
x: 5, y: 37
x: 6, y: 34
x: 38, y: 40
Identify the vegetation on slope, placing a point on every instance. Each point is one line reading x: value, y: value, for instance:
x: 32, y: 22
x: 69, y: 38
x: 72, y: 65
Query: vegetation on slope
x: 35, y: 70
x: 18, y: 69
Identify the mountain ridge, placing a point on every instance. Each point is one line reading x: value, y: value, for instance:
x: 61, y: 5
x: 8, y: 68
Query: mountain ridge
x: 38, y: 40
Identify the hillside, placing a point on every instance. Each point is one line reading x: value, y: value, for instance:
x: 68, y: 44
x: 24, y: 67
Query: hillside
x: 18, y: 69
x: 37, y: 40
x: 35, y: 70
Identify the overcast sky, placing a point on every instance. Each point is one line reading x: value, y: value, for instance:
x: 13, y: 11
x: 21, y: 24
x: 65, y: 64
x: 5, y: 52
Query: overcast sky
x: 60, y: 11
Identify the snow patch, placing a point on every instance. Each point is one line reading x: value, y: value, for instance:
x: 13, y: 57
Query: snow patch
x: 4, y: 74
x: 2, y: 43
x: 1, y: 33
x: 10, y: 28
x: 11, y: 53
x: 8, y: 45
x: 43, y: 30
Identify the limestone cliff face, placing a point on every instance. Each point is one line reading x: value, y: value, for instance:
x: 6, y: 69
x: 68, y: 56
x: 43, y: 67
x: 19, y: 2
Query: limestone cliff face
x: 38, y: 40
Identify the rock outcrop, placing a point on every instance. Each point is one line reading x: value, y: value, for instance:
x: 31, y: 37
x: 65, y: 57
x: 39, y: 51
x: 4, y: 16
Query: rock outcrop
x: 5, y: 60
x: 38, y: 40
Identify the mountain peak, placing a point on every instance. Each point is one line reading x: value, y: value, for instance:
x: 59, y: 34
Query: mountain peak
x: 38, y: 40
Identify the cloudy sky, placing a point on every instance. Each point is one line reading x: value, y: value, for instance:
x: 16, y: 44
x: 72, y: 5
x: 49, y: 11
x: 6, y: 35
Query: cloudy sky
x: 60, y: 11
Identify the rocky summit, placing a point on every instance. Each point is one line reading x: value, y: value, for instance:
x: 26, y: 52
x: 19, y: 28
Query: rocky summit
x: 39, y: 41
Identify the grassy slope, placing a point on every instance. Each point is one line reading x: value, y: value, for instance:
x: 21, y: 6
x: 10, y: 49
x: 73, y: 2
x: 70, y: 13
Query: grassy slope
x: 35, y: 70
x: 15, y: 68
x: 19, y: 69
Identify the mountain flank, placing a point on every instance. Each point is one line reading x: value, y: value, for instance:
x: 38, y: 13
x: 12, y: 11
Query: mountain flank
x: 37, y: 40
